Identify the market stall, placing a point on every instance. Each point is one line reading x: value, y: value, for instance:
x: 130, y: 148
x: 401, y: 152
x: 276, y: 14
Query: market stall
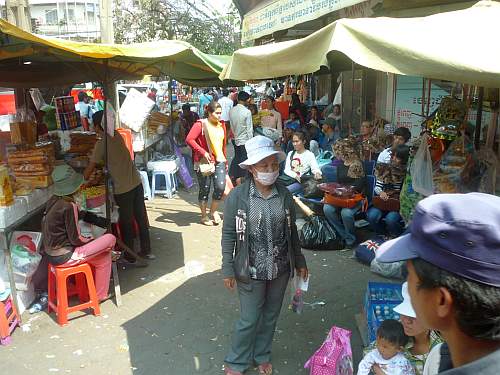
x: 28, y: 60
x: 419, y: 46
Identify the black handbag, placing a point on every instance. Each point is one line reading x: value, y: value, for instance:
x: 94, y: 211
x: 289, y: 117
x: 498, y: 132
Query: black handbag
x: 241, y: 265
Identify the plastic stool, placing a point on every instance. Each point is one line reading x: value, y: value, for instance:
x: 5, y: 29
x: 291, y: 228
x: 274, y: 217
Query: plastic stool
x: 59, y: 291
x: 9, y: 320
x: 145, y: 185
x: 170, y: 183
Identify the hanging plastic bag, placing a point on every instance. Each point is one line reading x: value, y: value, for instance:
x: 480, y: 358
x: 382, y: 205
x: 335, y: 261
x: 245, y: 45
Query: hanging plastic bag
x: 455, y: 167
x: 24, y: 261
x: 334, y: 357
x: 299, y: 287
x: 421, y: 169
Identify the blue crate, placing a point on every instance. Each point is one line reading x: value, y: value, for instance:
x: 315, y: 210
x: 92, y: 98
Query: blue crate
x: 382, y: 295
x: 377, y: 314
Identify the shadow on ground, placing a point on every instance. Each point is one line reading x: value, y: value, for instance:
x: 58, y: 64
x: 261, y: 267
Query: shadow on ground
x: 188, y: 331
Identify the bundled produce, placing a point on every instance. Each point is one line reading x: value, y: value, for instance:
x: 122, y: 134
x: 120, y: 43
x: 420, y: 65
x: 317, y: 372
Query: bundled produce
x: 82, y: 143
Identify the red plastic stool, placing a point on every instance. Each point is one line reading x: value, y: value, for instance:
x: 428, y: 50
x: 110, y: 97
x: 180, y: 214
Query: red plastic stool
x: 59, y: 292
x: 9, y: 320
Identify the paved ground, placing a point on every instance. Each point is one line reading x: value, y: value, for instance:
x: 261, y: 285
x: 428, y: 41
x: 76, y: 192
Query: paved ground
x: 176, y: 317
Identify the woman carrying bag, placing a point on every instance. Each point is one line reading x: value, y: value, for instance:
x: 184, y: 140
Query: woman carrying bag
x: 207, y: 138
x: 260, y: 252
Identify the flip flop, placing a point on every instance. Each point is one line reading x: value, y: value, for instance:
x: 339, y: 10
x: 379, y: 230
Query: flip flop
x: 229, y: 371
x: 206, y: 221
x: 265, y: 368
x: 216, y: 218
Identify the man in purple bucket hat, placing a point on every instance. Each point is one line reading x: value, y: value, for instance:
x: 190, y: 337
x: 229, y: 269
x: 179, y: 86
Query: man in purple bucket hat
x: 453, y: 259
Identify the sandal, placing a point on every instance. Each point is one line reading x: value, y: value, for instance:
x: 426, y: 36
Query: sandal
x: 206, y: 221
x: 265, y: 368
x: 230, y: 371
x: 216, y: 218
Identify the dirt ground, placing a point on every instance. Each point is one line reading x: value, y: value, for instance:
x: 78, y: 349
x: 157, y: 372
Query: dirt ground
x: 177, y: 318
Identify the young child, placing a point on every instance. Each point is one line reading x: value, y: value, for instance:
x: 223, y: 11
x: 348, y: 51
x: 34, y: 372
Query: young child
x: 387, y: 358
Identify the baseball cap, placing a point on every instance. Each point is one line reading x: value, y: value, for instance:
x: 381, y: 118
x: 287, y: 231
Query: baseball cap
x: 405, y: 308
x: 459, y: 233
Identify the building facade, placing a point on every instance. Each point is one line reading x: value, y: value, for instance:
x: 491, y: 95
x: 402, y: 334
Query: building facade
x: 76, y: 20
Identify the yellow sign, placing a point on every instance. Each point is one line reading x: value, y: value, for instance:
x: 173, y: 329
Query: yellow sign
x: 283, y: 14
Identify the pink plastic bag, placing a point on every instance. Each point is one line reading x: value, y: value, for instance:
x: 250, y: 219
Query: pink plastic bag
x: 334, y: 357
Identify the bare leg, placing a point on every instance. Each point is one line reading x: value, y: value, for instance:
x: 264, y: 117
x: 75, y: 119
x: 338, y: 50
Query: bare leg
x: 205, y: 219
x: 213, y: 212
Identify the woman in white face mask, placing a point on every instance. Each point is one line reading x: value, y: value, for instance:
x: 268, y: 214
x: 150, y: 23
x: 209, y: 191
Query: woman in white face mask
x: 260, y: 251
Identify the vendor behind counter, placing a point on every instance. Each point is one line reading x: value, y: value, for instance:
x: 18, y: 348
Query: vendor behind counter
x: 128, y: 190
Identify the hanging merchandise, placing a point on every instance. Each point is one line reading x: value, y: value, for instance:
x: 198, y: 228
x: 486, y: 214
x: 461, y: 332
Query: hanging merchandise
x: 23, y: 127
x: 421, y: 169
x: 455, y: 167
x: 67, y: 116
x: 449, y: 118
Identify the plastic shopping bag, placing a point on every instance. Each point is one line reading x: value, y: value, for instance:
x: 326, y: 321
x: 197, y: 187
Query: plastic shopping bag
x: 317, y: 234
x: 421, y: 169
x: 390, y: 270
x: 334, y: 357
x: 299, y: 287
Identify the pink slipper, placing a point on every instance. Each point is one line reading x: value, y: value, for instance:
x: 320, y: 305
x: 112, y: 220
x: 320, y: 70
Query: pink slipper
x: 229, y: 371
x: 265, y: 368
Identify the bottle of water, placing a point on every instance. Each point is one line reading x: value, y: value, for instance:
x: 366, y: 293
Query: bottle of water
x: 40, y: 305
x: 298, y: 302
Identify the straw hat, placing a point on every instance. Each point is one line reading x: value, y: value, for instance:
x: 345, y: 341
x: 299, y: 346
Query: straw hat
x: 259, y: 148
x: 66, y: 180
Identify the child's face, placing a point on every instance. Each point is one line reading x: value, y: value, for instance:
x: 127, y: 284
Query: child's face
x: 387, y: 349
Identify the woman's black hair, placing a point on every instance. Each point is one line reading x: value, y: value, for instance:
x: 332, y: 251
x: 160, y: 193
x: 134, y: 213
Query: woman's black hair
x: 476, y: 306
x: 253, y: 107
x: 402, y: 152
x: 392, y: 331
x: 295, y: 100
x: 211, y: 108
x: 303, y: 136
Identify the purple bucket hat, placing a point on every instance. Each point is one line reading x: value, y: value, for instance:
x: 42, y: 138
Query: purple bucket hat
x: 459, y: 233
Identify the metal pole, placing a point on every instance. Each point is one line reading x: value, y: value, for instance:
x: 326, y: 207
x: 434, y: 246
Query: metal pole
x: 352, y: 97
x: 479, y: 118
x: 105, y: 127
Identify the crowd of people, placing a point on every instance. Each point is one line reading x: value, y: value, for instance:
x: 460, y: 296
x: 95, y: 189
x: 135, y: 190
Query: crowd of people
x: 451, y: 301
x: 273, y: 158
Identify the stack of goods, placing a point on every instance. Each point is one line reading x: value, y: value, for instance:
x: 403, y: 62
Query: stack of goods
x: 82, y: 143
x: 380, y: 300
x: 157, y: 119
x: 33, y: 166
x: 67, y: 116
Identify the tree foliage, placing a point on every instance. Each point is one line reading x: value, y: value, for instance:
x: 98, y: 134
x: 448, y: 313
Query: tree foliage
x: 149, y: 20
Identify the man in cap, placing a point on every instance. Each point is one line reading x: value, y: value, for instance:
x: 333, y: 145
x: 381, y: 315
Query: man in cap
x: 453, y: 259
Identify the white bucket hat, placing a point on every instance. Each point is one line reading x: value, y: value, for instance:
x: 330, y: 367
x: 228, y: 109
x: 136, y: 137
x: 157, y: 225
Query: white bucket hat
x: 405, y: 307
x: 259, y: 148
